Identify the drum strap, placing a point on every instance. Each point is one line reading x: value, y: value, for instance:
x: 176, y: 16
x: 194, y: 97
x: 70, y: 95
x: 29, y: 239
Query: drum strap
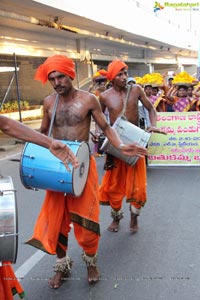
x: 126, y: 100
x: 53, y: 114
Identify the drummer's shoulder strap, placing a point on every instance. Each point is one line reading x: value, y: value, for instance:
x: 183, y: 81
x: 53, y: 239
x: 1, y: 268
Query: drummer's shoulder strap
x: 126, y: 100
x: 53, y: 114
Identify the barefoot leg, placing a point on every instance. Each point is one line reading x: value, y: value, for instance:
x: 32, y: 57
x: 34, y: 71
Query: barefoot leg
x: 134, y: 223
x: 116, y: 215
x: 93, y: 274
x: 56, y: 281
x: 114, y: 226
x: 62, y: 270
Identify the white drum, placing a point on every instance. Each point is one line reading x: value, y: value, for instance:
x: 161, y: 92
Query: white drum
x: 8, y: 220
x: 129, y: 133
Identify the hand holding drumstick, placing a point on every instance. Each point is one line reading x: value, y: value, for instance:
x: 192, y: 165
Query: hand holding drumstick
x: 155, y: 130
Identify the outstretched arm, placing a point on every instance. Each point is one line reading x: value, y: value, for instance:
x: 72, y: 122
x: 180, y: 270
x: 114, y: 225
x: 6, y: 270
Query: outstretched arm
x: 24, y: 133
x: 127, y: 149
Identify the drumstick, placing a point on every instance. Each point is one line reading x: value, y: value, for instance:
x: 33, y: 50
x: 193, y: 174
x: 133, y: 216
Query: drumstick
x: 159, y: 132
x: 94, y: 136
x: 156, y: 130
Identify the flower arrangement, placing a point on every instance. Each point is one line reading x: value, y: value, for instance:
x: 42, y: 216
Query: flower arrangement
x: 154, y: 79
x: 183, y: 78
x: 99, y: 75
x: 138, y: 79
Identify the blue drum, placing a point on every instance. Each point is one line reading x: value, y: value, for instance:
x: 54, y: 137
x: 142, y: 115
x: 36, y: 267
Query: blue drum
x: 40, y: 169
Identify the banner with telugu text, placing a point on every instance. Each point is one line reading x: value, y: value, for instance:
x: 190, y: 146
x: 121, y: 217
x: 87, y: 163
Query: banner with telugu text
x: 181, y: 145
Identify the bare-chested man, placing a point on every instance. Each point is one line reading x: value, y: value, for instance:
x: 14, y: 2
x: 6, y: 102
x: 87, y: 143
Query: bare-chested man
x: 121, y: 179
x: 72, y: 122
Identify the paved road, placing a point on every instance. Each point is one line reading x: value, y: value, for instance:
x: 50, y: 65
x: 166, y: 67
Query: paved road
x: 160, y: 262
x: 9, y: 145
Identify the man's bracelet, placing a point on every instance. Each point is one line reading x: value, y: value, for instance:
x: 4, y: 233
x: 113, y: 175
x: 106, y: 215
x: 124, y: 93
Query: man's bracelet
x: 121, y: 146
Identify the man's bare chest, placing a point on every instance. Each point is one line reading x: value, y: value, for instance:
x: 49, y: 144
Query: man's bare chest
x: 69, y: 115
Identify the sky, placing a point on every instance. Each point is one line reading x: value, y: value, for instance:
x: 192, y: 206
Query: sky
x: 186, y: 13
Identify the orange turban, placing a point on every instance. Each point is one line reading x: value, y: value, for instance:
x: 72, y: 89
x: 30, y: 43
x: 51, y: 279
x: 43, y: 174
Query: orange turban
x: 114, y: 68
x: 59, y: 63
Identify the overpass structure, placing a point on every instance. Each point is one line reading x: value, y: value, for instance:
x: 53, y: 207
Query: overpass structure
x: 99, y: 31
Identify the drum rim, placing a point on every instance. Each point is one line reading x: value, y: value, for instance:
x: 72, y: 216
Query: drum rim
x: 21, y: 166
x: 76, y: 170
x: 15, y: 217
x: 16, y: 230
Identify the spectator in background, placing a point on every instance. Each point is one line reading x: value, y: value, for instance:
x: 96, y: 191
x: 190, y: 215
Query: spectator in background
x: 178, y: 98
x: 155, y: 91
x: 168, y: 86
x: 99, y: 85
x: 170, y: 82
x: 157, y: 100
x: 99, y: 81
x: 196, y: 98
x: 131, y: 80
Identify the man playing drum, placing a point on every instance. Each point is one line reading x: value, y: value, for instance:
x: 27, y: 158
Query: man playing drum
x: 9, y: 285
x: 121, y: 179
x: 74, y: 111
x: 24, y: 133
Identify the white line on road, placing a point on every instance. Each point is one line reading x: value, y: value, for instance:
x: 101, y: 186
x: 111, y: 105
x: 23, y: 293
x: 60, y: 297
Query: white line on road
x: 29, y: 264
x: 9, y: 156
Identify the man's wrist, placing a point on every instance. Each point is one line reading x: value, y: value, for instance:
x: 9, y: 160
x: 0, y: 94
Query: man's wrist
x: 121, y: 146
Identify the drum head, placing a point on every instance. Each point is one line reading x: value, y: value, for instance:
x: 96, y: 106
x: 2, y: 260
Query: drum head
x: 129, y: 133
x: 8, y: 221
x: 106, y: 145
x: 80, y: 174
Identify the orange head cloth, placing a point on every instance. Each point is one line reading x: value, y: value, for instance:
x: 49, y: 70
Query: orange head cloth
x: 59, y: 63
x: 114, y: 68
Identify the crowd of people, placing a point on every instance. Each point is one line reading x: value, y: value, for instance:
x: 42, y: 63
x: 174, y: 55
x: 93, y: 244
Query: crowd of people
x: 112, y: 94
x: 168, y: 92
x: 175, y: 94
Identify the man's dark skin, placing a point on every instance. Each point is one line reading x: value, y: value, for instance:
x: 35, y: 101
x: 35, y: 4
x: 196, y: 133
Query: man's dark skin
x: 114, y: 99
x: 72, y: 122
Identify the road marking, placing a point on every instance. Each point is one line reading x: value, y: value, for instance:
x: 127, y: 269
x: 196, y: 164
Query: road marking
x: 8, y: 157
x: 29, y: 264
x: 24, y: 269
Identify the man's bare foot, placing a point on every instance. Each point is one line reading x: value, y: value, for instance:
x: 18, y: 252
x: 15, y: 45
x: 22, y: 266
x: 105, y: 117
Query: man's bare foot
x: 62, y: 269
x: 93, y: 274
x: 114, y: 226
x: 134, y: 223
x: 56, y: 281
